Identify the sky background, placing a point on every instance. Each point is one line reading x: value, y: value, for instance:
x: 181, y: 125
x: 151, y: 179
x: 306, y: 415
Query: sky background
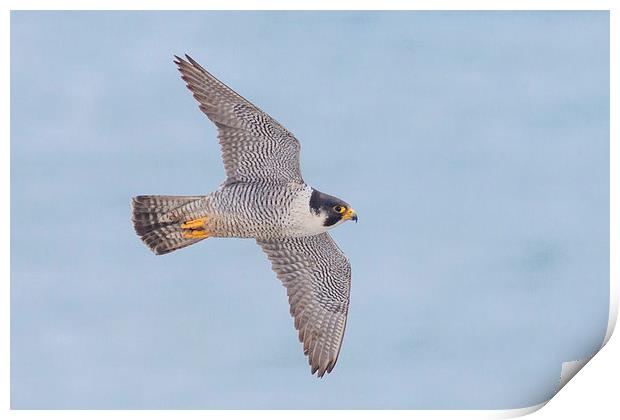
x: 474, y: 146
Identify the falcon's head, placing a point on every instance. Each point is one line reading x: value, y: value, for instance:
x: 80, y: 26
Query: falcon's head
x: 333, y: 210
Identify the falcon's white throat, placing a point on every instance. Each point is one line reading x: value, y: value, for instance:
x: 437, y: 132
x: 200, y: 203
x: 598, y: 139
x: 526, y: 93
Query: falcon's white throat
x: 308, y: 222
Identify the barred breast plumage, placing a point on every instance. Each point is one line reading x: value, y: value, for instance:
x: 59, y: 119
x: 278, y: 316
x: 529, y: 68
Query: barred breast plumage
x: 264, y: 197
x: 255, y: 210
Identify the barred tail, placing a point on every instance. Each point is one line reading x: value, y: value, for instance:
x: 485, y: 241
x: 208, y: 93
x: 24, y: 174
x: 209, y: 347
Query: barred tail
x: 159, y: 226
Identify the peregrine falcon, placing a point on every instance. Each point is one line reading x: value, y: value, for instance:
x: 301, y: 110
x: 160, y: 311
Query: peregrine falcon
x: 264, y: 197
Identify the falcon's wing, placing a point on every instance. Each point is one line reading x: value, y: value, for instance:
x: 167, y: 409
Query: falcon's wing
x: 254, y: 145
x: 317, y: 277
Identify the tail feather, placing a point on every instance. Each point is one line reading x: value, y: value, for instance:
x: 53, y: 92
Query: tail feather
x: 152, y: 221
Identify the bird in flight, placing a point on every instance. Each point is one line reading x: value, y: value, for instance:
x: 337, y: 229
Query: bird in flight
x: 263, y: 197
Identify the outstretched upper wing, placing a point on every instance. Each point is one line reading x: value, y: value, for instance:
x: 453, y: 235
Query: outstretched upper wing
x: 254, y: 145
x: 317, y: 277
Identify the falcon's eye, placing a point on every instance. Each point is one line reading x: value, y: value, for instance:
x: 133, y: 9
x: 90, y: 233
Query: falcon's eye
x: 339, y: 209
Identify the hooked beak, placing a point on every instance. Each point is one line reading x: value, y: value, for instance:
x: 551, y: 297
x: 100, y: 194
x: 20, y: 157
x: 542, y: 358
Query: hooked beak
x: 350, y: 215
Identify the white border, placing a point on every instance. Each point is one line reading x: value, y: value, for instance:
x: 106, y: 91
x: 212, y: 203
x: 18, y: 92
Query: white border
x: 314, y: 5
x: 322, y: 5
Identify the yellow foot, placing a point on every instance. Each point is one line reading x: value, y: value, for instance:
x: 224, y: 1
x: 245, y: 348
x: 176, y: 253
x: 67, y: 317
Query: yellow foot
x: 195, y: 224
x: 191, y: 234
x: 195, y: 229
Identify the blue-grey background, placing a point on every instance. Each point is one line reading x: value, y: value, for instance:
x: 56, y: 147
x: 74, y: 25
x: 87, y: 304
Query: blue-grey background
x: 473, y: 145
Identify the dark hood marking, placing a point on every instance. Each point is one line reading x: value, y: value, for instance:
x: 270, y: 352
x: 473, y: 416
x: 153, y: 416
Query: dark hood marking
x: 321, y: 201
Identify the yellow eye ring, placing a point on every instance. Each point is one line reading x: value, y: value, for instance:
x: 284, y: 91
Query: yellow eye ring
x: 339, y: 209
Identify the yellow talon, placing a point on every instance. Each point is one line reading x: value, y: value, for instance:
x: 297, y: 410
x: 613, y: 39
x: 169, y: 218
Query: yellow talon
x: 195, y: 224
x: 195, y: 234
x: 195, y: 229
